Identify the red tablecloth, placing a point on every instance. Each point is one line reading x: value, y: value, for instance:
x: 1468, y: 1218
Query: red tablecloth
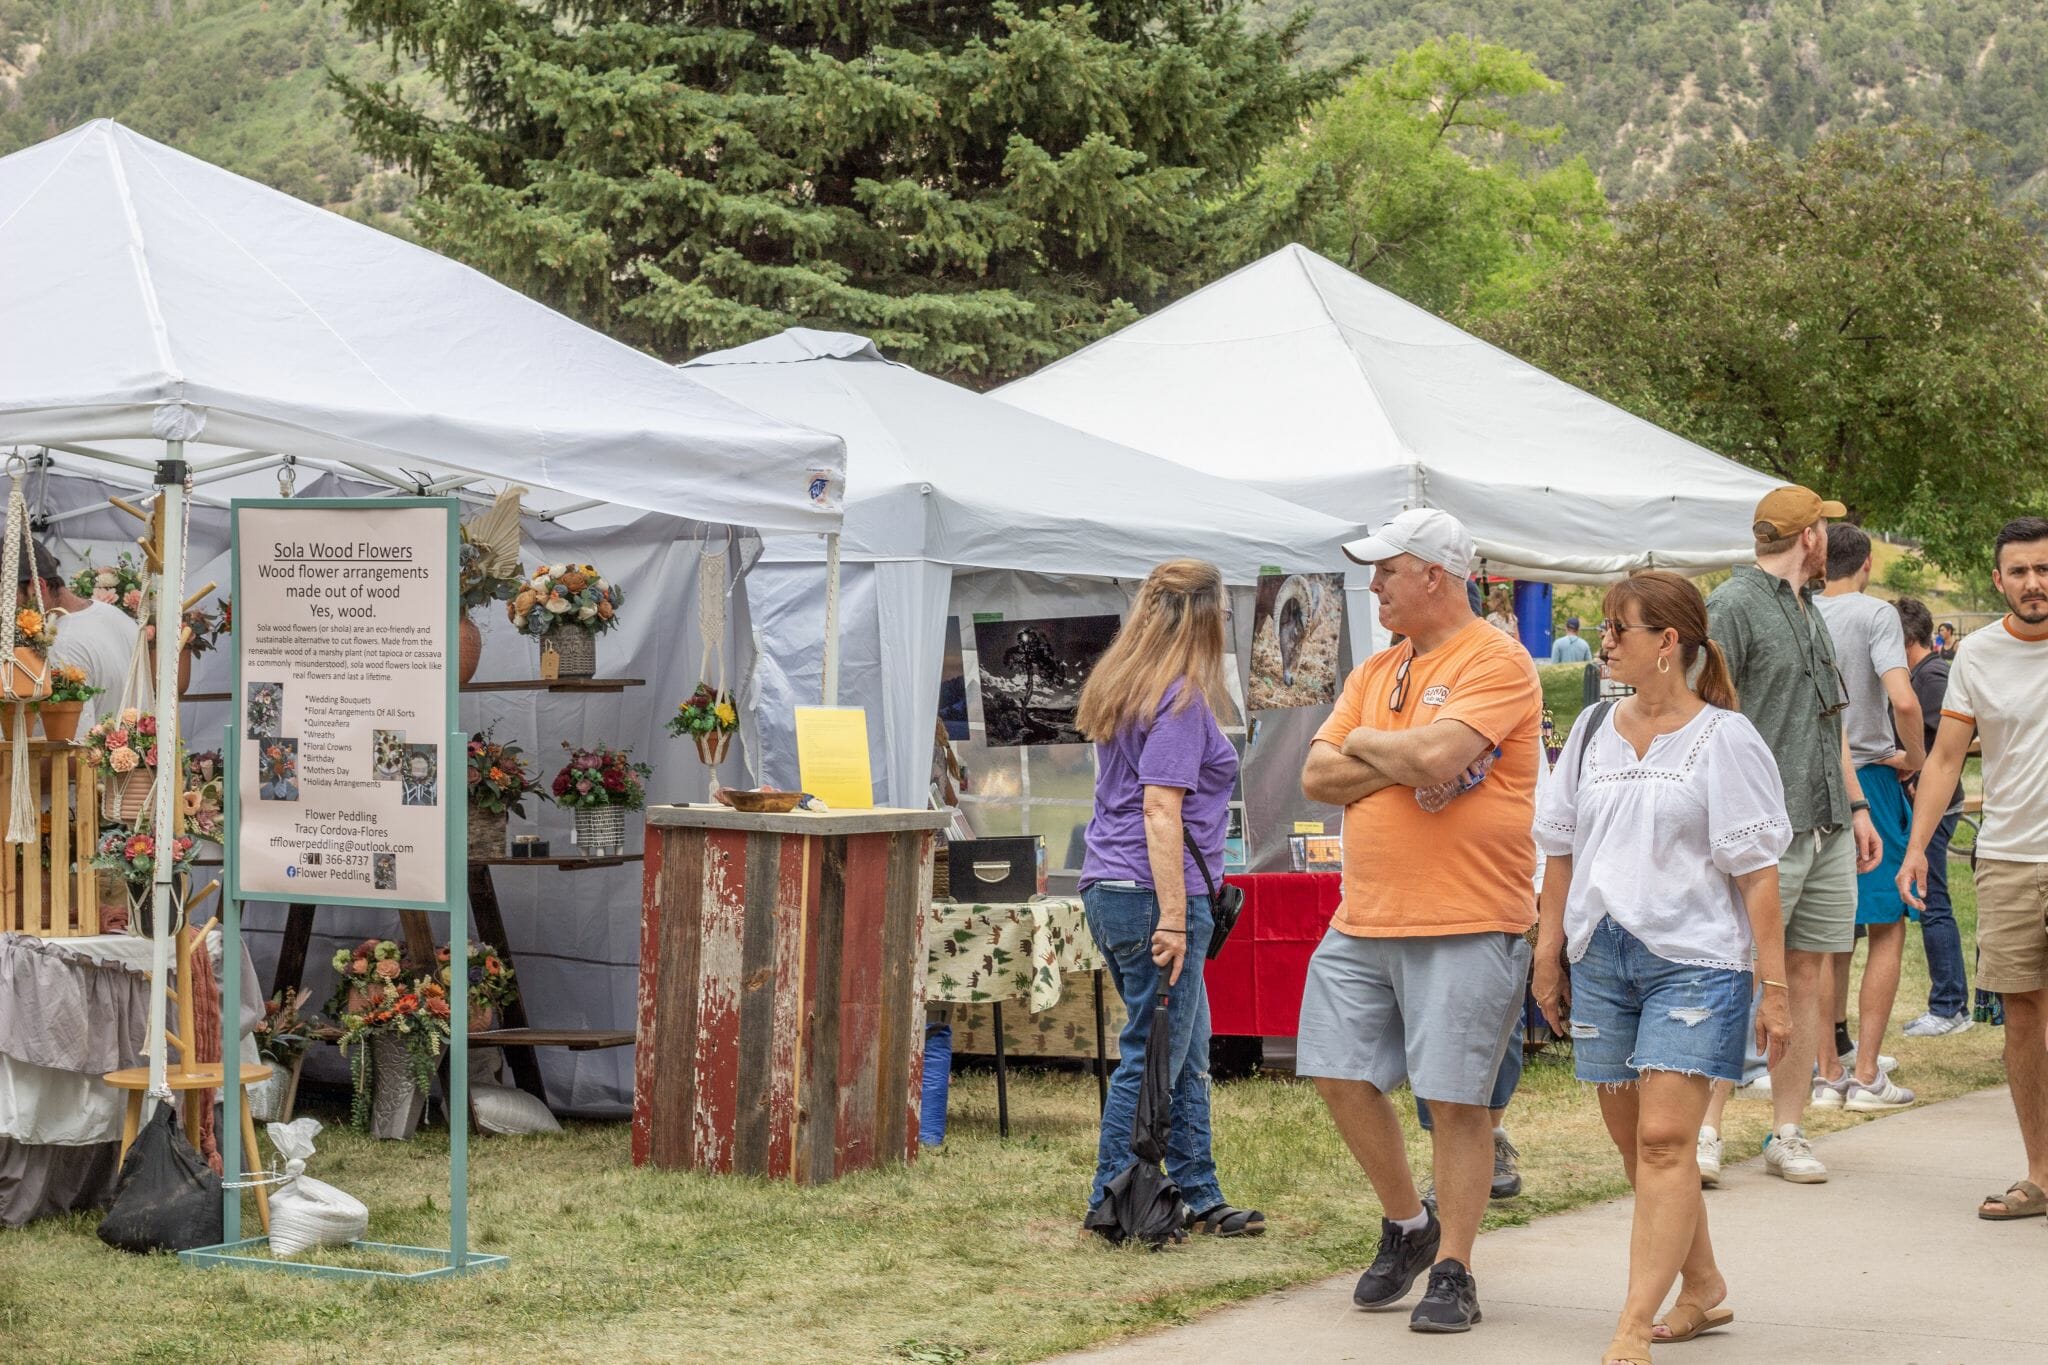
x: 1255, y: 987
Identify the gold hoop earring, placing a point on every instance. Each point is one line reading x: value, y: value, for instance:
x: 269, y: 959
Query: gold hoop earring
x: 1663, y: 663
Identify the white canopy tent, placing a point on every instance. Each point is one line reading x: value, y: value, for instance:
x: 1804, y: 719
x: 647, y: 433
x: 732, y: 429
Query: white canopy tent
x: 945, y: 486
x: 159, y: 309
x: 1299, y: 378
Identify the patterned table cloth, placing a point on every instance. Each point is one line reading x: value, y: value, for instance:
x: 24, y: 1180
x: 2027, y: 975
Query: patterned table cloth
x: 993, y: 954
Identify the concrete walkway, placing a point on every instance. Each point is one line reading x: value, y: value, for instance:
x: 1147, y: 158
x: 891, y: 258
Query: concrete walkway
x: 1886, y: 1264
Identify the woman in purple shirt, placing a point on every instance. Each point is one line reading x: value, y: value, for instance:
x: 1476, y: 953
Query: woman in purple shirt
x: 1162, y: 766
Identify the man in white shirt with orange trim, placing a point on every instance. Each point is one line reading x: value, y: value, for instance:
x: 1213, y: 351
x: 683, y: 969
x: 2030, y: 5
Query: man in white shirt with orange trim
x: 1998, y: 689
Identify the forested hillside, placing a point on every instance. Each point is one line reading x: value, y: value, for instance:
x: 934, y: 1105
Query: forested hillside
x: 1649, y: 86
x: 238, y: 82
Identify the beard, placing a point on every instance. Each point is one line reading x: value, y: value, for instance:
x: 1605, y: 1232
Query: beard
x: 1815, y: 566
x: 2030, y: 604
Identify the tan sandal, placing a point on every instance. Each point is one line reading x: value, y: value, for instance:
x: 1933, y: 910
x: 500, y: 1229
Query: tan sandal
x: 1688, y: 1320
x: 2032, y: 1203
x: 1624, y: 1351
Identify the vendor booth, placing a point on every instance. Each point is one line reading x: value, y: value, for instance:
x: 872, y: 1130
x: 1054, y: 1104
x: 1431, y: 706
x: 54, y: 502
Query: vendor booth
x: 170, y: 325
x: 976, y: 534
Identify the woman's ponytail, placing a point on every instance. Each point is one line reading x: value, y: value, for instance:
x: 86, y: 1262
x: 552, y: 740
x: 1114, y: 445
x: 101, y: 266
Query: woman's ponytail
x: 1716, y: 687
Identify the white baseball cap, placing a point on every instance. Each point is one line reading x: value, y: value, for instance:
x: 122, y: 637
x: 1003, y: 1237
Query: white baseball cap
x: 1430, y: 534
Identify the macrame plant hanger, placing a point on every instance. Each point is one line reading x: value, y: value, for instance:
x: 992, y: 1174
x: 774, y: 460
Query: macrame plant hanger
x: 24, y: 674
x: 711, y: 594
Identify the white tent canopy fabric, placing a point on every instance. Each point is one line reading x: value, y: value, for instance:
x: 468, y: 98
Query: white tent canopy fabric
x: 1303, y: 380
x: 153, y: 296
x: 941, y: 473
x: 944, y: 482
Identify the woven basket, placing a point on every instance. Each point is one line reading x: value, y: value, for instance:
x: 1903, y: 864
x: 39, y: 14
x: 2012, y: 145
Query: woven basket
x: 576, y: 651
x: 942, y: 881
x: 600, y: 830
x: 487, y: 832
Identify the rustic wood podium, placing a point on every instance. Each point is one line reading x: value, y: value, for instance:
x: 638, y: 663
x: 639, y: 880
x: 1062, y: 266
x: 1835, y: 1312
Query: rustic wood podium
x: 781, y: 1004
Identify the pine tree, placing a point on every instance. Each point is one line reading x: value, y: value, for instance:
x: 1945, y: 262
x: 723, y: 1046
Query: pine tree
x: 979, y: 187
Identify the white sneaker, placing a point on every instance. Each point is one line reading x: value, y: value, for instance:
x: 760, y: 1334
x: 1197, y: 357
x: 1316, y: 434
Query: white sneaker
x: 1870, y: 1099
x: 1885, y: 1064
x: 1830, y: 1094
x: 1931, y: 1025
x: 1710, y: 1158
x: 1758, y: 1089
x: 1788, y: 1155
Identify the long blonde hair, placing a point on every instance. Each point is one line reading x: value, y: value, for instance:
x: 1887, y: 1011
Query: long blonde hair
x: 1173, y: 634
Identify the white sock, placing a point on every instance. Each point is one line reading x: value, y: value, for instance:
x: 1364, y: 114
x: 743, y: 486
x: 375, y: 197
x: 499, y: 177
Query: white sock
x: 1415, y: 1224
x: 1710, y: 1135
x: 1500, y: 1135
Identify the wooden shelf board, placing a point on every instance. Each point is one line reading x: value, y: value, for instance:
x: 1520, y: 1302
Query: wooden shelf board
x: 568, y: 864
x: 575, y: 1039
x: 555, y: 685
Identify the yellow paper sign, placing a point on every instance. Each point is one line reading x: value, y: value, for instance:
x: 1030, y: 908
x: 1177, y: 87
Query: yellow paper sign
x: 1308, y: 827
x: 832, y: 756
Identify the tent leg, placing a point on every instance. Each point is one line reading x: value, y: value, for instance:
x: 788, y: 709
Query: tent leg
x: 831, y: 689
x: 170, y: 599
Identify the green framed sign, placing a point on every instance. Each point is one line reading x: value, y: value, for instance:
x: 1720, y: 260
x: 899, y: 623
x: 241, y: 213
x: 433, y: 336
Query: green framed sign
x: 342, y: 748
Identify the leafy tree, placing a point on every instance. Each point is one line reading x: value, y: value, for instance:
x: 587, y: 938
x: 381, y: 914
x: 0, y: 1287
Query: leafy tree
x: 1397, y: 177
x: 1865, y: 320
x: 980, y: 187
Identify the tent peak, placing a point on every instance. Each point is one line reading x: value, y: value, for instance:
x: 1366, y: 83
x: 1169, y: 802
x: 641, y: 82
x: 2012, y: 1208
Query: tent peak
x: 795, y: 344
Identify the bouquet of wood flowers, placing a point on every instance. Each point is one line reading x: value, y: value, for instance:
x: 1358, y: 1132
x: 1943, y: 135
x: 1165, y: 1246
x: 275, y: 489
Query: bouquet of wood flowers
x: 561, y: 595
x: 601, y: 777
x: 381, y: 996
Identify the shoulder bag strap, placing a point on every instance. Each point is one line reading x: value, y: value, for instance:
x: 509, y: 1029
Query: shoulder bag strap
x: 1591, y: 725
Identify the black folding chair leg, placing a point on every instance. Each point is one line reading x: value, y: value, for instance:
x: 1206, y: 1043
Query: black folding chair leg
x: 1002, y: 1075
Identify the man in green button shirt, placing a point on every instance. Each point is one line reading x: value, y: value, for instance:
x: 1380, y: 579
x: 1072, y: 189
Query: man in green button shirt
x: 1783, y: 662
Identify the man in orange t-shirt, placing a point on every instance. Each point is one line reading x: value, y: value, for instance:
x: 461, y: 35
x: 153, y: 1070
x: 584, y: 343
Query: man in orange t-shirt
x: 1422, y: 973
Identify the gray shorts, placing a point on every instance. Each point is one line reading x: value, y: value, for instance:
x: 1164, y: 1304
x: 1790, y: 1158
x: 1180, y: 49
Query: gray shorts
x: 1817, y: 887
x: 1437, y: 1012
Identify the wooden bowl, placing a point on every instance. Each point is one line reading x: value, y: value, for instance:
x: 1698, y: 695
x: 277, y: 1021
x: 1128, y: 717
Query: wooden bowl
x: 760, y: 803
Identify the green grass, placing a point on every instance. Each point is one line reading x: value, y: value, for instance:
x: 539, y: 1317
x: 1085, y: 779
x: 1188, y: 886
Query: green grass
x: 970, y: 1254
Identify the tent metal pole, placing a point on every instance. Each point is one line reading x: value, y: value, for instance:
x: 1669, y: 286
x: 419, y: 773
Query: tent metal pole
x: 170, y: 600
x: 87, y: 452
x: 406, y: 486
x: 228, y: 469
x: 240, y: 457
x: 568, y: 509
x: 831, y: 688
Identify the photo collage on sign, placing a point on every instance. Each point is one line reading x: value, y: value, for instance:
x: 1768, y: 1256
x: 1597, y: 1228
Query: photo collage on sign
x: 277, y: 755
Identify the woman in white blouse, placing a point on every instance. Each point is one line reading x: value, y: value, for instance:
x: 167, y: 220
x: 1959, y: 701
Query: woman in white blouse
x: 1663, y: 825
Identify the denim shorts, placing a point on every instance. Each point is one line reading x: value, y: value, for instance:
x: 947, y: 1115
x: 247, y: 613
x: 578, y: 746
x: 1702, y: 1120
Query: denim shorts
x: 1633, y: 1011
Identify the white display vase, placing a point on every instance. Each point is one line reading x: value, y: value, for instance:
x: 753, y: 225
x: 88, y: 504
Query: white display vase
x: 396, y: 1104
x: 601, y: 830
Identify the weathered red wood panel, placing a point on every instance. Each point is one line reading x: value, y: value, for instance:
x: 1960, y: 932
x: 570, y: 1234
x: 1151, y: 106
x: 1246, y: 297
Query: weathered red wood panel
x: 719, y: 969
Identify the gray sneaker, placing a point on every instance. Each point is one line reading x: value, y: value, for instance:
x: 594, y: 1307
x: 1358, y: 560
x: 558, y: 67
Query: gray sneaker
x: 1507, y: 1168
x: 1931, y: 1025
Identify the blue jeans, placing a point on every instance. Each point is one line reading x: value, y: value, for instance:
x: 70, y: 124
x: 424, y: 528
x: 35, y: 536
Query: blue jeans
x: 1121, y: 921
x: 1504, y: 1082
x: 1948, y: 985
x: 1633, y: 1011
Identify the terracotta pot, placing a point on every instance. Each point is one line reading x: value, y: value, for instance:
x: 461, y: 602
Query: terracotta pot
x: 26, y: 676
x: 128, y: 796
x: 711, y: 747
x: 8, y: 712
x: 482, y: 1018
x: 472, y: 651
x: 60, y: 720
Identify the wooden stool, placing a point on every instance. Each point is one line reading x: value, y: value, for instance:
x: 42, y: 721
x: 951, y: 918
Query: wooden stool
x: 186, y: 1075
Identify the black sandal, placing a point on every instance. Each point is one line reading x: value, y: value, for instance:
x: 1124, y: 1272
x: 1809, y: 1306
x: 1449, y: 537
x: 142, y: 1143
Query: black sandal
x: 1225, y: 1221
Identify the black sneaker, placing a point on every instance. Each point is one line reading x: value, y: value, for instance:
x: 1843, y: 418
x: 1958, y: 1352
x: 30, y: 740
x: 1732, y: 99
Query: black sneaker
x: 1450, y: 1304
x: 1403, y: 1256
x: 1507, y: 1168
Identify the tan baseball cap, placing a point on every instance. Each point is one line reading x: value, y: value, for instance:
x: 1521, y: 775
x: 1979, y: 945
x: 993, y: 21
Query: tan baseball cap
x: 1789, y: 510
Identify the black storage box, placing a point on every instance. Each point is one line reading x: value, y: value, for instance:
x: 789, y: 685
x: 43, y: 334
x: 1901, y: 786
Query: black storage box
x: 1010, y: 868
